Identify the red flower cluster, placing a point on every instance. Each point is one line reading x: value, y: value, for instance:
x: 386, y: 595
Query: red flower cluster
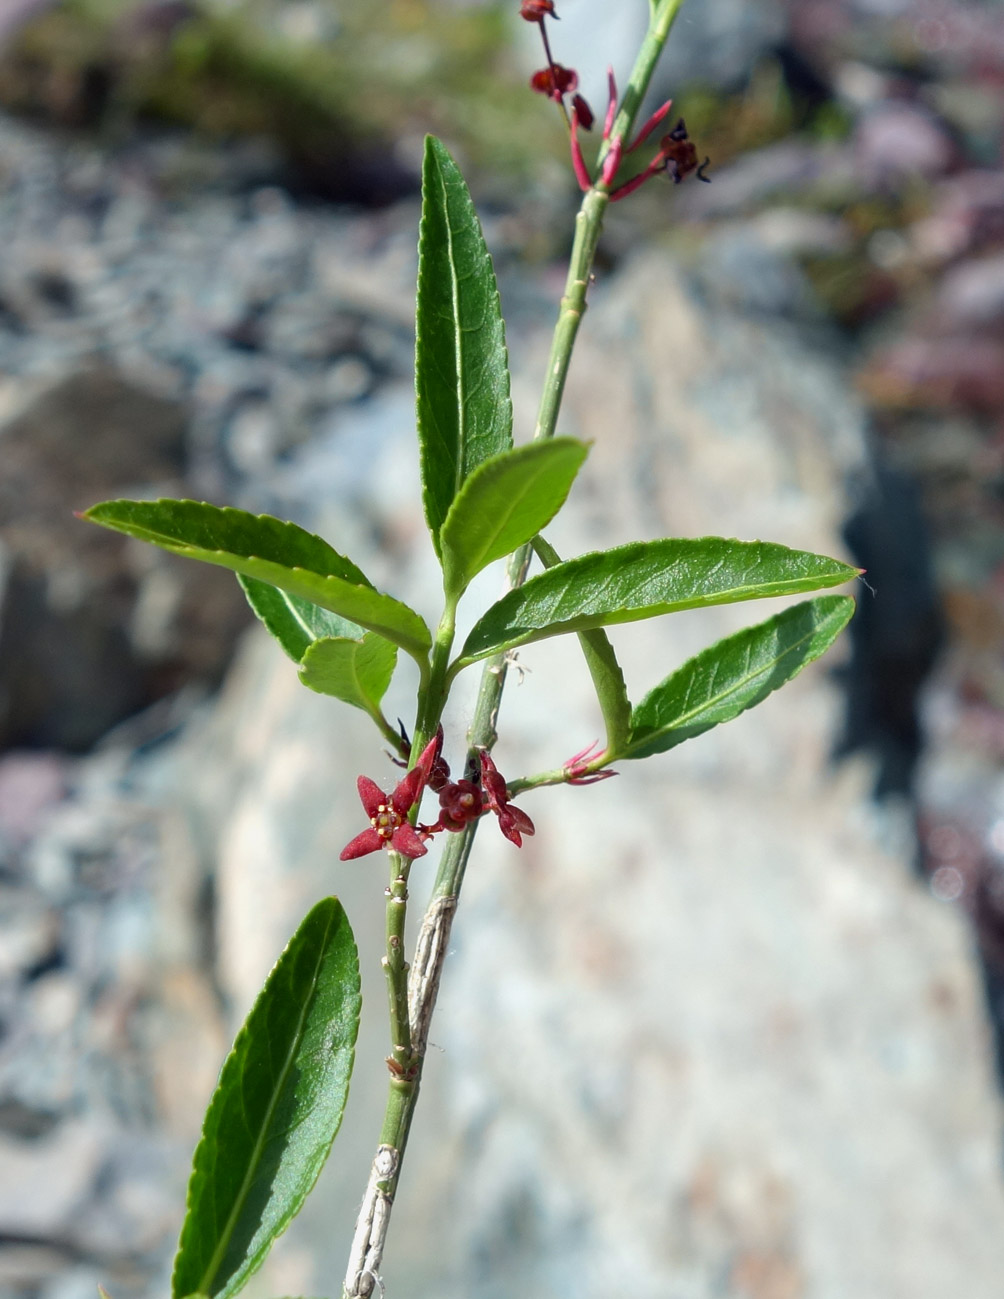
x: 460, y: 802
x: 555, y: 81
x: 677, y: 156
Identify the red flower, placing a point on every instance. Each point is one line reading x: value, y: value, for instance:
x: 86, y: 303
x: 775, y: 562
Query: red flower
x: 389, y: 826
x: 554, y: 81
x: 578, y: 766
x: 534, y: 11
x: 460, y: 801
x: 513, y: 821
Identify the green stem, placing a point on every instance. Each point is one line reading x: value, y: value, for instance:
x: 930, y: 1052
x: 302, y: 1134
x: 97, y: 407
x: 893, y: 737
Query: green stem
x: 432, y: 696
x: 400, y: 1061
x: 367, y: 1250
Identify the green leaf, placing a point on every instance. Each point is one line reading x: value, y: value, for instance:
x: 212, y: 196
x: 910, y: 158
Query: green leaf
x: 355, y: 671
x: 504, y: 503
x: 642, y: 580
x: 461, y: 368
x: 608, y: 679
x: 282, y: 554
x: 296, y: 624
x: 275, y: 1111
x: 727, y: 678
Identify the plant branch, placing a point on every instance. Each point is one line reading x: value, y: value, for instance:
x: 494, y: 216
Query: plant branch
x: 362, y: 1276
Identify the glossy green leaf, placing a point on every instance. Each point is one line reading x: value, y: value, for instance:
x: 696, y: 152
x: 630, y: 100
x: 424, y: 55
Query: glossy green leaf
x: 608, y: 679
x: 461, y: 368
x: 282, y: 554
x: 296, y: 624
x: 504, y: 503
x: 275, y: 1111
x: 642, y: 580
x: 355, y: 671
x: 727, y: 678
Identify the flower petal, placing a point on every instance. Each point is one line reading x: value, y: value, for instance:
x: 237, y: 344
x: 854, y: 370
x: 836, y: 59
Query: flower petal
x: 521, y: 820
x: 370, y: 795
x: 493, y: 782
x: 427, y: 758
x: 508, y: 827
x: 408, y: 791
x: 368, y: 841
x: 406, y: 840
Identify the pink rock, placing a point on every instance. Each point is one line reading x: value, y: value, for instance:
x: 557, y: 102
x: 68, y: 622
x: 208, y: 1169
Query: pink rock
x: 971, y: 296
x: 30, y: 785
x: 898, y: 140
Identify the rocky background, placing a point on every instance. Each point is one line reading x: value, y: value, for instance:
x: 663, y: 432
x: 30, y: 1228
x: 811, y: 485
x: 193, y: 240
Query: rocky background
x: 746, y: 1049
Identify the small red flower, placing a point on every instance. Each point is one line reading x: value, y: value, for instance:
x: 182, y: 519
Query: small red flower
x: 578, y: 766
x: 513, y: 821
x: 389, y: 826
x: 535, y: 11
x: 460, y: 801
x: 554, y: 81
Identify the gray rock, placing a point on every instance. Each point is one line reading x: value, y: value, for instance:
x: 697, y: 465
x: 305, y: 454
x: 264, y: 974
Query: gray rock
x: 44, y: 1183
x: 971, y: 296
x: 91, y: 627
x: 707, y: 1027
x: 895, y: 141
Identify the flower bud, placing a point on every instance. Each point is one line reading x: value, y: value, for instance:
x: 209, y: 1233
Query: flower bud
x: 554, y: 81
x: 535, y: 11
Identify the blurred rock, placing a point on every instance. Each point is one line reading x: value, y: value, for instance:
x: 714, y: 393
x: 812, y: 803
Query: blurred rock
x: 938, y: 373
x: 92, y: 629
x: 895, y: 141
x: 971, y: 297
x: 46, y: 1182
x: 760, y: 175
x: 16, y: 12
x: 748, y: 952
x: 968, y: 217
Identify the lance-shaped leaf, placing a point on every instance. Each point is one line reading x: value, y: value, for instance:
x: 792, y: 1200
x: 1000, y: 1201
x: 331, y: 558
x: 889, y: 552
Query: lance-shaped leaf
x: 282, y: 554
x: 642, y: 580
x: 275, y: 1111
x: 727, y: 678
x: 294, y: 623
x: 504, y: 503
x: 355, y: 671
x: 461, y: 368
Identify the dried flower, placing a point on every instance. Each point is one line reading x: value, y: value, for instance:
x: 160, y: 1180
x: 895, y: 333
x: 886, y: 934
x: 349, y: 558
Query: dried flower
x: 678, y: 152
x: 535, y: 11
x: 677, y: 157
x: 554, y: 81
